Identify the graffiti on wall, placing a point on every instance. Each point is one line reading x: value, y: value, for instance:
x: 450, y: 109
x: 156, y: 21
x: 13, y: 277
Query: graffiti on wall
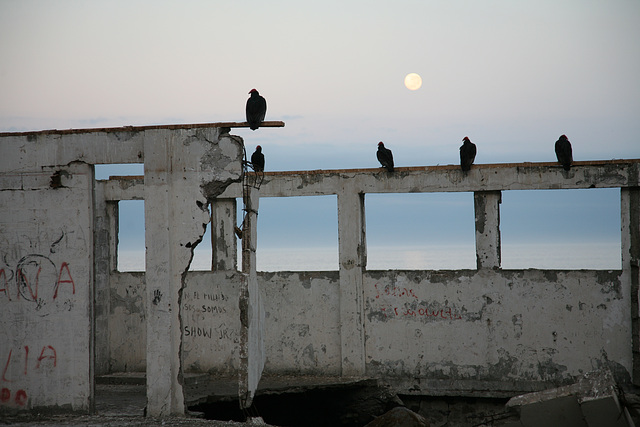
x: 393, y: 301
x: 202, y: 309
x: 36, y: 279
x: 23, y: 362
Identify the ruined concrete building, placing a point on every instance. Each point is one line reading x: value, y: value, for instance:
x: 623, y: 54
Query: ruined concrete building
x: 68, y: 315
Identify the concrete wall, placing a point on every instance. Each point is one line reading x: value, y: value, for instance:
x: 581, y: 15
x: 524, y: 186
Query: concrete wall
x: 46, y: 276
x: 487, y: 331
x: 481, y: 332
x: 58, y: 242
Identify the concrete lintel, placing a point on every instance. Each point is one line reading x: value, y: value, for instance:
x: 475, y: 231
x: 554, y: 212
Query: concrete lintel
x: 352, y: 257
x: 123, y: 188
x: 487, y: 212
x: 449, y: 178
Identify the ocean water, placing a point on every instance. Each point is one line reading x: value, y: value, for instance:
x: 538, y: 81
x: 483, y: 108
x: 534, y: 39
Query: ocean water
x: 596, y: 255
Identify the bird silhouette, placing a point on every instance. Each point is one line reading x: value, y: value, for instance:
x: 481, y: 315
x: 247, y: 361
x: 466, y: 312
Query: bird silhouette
x: 564, y: 152
x: 467, y: 154
x: 257, y: 160
x: 385, y: 157
x: 256, y: 109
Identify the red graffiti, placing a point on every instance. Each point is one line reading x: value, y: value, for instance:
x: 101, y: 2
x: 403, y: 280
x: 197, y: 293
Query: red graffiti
x: 49, y: 356
x: 395, y: 292
x: 20, y: 399
x: 4, y: 372
x: 65, y: 267
x: 443, y: 313
x: 31, y: 272
x: 48, y: 353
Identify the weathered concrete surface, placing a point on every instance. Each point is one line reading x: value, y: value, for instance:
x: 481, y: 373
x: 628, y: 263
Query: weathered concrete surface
x: 184, y: 169
x: 353, y: 259
x: 46, y: 276
x: 485, y: 332
x: 252, y: 316
x: 211, y: 322
x: 302, y: 325
x: 47, y: 192
x: 223, y: 239
x: 483, y: 177
x: 491, y: 332
x: 487, y: 213
x: 126, y: 326
x: 630, y: 236
x: 592, y: 401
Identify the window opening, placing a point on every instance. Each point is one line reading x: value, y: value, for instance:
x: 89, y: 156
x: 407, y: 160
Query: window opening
x: 418, y: 231
x: 561, y: 229
x: 297, y: 234
x: 131, y: 244
x: 119, y: 169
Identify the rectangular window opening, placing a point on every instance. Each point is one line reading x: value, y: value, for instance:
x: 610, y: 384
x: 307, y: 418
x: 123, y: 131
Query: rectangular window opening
x: 131, y: 244
x: 295, y: 233
x: 420, y: 231
x: 119, y: 169
x: 561, y: 229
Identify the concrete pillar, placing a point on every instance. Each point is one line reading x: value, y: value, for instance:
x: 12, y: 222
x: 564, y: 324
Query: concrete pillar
x: 353, y: 258
x: 252, y: 317
x: 630, y: 245
x: 164, y: 389
x: 487, y: 211
x: 223, y: 238
x: 105, y: 225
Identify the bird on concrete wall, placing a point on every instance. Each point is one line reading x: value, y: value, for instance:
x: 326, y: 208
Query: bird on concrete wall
x: 256, y: 109
x: 257, y: 160
x: 385, y: 157
x: 467, y: 154
x: 564, y: 152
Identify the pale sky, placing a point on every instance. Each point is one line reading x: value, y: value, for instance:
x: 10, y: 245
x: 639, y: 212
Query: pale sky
x: 511, y: 75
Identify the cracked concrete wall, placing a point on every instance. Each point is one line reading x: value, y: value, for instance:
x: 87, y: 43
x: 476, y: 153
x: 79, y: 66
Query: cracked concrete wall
x: 184, y: 169
x: 47, y: 280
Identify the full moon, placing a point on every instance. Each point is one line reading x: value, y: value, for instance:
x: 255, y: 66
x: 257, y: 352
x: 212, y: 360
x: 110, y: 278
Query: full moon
x: 413, y: 81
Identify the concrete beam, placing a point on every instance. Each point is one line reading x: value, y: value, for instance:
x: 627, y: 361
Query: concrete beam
x: 449, y: 178
x: 353, y: 258
x: 94, y: 146
x: 119, y: 188
x: 487, y: 211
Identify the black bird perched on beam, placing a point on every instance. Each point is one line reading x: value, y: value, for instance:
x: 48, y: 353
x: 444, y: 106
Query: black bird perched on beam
x: 564, y: 152
x: 467, y: 154
x: 257, y: 160
x: 385, y: 157
x: 256, y: 109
